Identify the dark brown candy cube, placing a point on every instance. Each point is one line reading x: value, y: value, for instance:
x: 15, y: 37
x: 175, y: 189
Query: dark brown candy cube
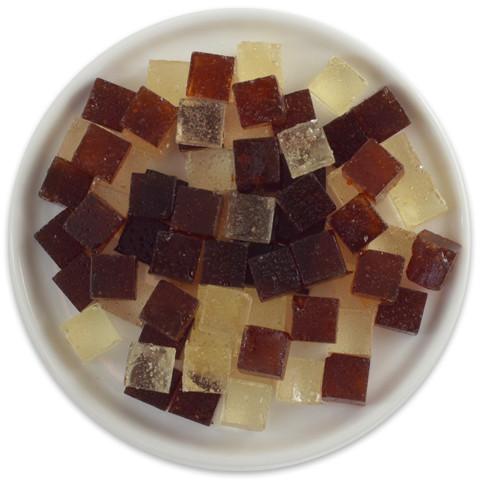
x: 318, y: 258
x: 405, y: 314
x: 210, y: 76
x: 264, y: 352
x: 378, y: 275
x: 93, y: 223
x: 107, y: 103
x: 381, y: 115
x: 345, y: 378
x: 150, y: 334
x: 432, y: 258
x: 254, y: 250
x: 100, y: 153
x: 314, y: 319
x: 274, y: 273
x: 197, y: 211
x: 357, y: 223
x: 65, y: 183
x: 224, y: 263
x: 74, y: 281
x: 285, y: 231
x: 61, y: 247
x: 170, y: 310
x: 259, y: 101
x: 373, y: 170
x: 298, y: 109
x: 257, y: 164
x: 149, y: 116
x: 176, y: 256
x: 113, y: 276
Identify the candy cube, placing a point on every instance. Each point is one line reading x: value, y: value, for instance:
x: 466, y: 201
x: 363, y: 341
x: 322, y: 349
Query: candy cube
x: 259, y: 101
x: 357, y: 223
x: 298, y: 108
x: 90, y: 333
x: 378, y: 275
x: 269, y: 314
x: 381, y: 115
x: 432, y: 258
x: 196, y: 211
x: 200, y: 123
x: 72, y: 138
x: 168, y: 79
x: 247, y: 404
x: 150, y: 334
x: 285, y: 231
x: 415, y: 195
x: 224, y: 263
x: 211, y: 169
x: 254, y: 250
x: 345, y: 378
x: 117, y: 199
x: 338, y: 85
x: 305, y: 148
x: 339, y: 188
x: 113, y: 276
x: 259, y: 59
x: 149, y: 367
x: 314, y: 319
x: 318, y: 258
x: 302, y: 382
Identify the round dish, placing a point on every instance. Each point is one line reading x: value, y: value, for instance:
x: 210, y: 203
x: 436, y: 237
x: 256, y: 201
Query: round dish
x: 400, y: 363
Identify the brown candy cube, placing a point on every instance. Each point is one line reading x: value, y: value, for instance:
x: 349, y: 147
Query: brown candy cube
x: 285, y: 231
x: 150, y: 334
x: 298, y: 109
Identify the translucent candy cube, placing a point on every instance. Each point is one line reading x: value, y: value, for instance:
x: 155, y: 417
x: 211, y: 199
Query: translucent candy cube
x: 168, y: 79
x: 211, y: 169
x: 269, y: 314
x: 415, y: 195
x: 117, y: 199
x: 149, y: 367
x: 90, y: 333
x: 72, y: 138
x: 338, y: 85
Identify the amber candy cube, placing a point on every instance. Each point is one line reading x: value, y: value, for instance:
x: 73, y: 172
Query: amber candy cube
x: 259, y: 101
x: 298, y: 109
x: 432, y: 258
x: 357, y: 223
x: 150, y: 334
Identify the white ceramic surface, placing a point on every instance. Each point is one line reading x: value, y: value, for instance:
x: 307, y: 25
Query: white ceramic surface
x: 400, y: 363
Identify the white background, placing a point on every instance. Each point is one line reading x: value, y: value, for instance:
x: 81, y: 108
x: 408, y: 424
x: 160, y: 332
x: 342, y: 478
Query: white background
x: 44, y: 44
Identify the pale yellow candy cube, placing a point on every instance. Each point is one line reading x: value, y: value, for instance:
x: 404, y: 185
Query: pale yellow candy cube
x: 117, y: 199
x: 270, y: 314
x: 395, y: 240
x: 168, y: 78
x: 211, y: 169
x: 72, y: 138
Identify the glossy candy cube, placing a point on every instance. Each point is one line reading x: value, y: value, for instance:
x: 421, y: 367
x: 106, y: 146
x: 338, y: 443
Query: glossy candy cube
x: 211, y: 169
x: 259, y: 59
x: 285, y: 232
x: 269, y: 314
x: 113, y: 276
x: 298, y: 108
x: 168, y: 79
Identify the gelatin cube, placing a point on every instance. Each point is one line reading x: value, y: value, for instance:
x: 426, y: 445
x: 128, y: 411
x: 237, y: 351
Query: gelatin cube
x: 314, y: 319
x: 149, y: 116
x: 285, y: 231
x: 302, y: 382
x: 72, y: 138
x: 90, y: 333
x: 378, y: 275
x: 116, y: 199
x: 211, y: 169
x: 339, y: 189
x: 415, y: 196
x: 250, y: 218
x: 305, y: 147
x: 200, y: 123
x: 298, y: 108
x: 59, y: 245
x: 149, y: 367
x: 381, y: 115
x: 259, y: 101
x: 345, y: 378
x: 432, y: 259
x: 270, y: 314
x: 357, y: 223
x: 107, y: 103
x: 168, y: 79
x: 113, y: 276
x: 255, y: 249
x: 150, y: 334
x: 247, y: 404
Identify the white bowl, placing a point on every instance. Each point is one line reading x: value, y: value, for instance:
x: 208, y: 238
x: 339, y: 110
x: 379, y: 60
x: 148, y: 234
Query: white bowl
x: 400, y: 363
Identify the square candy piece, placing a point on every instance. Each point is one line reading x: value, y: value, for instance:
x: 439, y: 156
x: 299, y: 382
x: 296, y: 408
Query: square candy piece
x: 254, y: 250
x: 247, y: 404
x: 224, y: 263
x: 107, y: 103
x: 378, y: 275
x: 59, y: 245
x: 357, y: 223
x: 200, y: 123
x: 170, y: 310
x: 113, y: 276
x: 305, y: 147
x: 299, y: 109
x: 259, y: 101
x: 432, y: 258
x: 314, y: 319
x: 90, y: 333
x: 269, y: 314
x: 65, y: 183
x: 373, y: 170
x: 210, y: 76
x: 345, y: 378
x: 318, y: 258
x: 197, y: 211
x: 100, y: 153
x: 264, y: 352
x: 250, y: 218
x: 211, y: 169
x: 149, y: 116
x: 259, y: 59
x: 150, y: 367
x: 168, y: 79
x: 338, y: 85
x: 285, y: 232
x: 381, y: 115
x: 176, y: 256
